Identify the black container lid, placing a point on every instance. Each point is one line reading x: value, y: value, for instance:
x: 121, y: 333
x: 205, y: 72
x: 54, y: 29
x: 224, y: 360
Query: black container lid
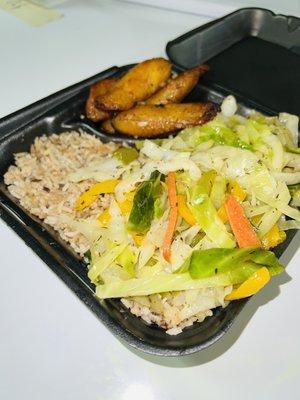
x: 253, y: 54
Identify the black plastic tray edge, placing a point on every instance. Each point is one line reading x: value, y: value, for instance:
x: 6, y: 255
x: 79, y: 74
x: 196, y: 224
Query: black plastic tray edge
x: 213, y: 22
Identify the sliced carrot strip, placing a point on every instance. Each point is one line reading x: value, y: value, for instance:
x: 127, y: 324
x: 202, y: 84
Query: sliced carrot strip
x: 171, y: 184
x: 169, y: 234
x: 240, y: 225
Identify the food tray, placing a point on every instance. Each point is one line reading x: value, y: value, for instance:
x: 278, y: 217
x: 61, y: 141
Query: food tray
x: 64, y: 111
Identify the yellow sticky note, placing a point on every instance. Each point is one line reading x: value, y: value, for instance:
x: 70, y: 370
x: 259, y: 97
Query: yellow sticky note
x: 31, y: 13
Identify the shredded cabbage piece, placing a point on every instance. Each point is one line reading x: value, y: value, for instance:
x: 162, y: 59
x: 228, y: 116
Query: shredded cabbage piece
x: 102, y: 170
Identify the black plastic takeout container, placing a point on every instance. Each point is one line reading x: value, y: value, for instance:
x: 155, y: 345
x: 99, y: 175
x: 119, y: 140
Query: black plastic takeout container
x: 253, y: 54
x: 64, y: 111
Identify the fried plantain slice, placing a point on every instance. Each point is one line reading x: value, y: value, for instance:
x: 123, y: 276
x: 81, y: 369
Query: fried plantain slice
x: 107, y: 126
x: 178, y: 88
x: 98, y: 89
x: 137, y: 84
x: 149, y: 120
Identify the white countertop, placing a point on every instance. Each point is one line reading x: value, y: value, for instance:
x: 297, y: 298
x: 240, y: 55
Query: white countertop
x: 51, y: 346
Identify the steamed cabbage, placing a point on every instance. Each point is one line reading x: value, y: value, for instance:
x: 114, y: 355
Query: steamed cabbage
x: 258, y: 153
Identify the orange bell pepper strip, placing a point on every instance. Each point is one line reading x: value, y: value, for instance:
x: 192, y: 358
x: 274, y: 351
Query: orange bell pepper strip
x: 104, y: 217
x: 88, y: 197
x: 237, y: 191
x: 125, y: 207
x: 251, y: 286
x: 184, y: 211
x: 240, y: 225
x: 222, y: 214
x: 273, y: 238
x: 171, y: 184
x: 138, y: 239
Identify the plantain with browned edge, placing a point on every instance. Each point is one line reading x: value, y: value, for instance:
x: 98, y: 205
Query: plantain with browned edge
x: 178, y: 88
x: 107, y: 126
x: 98, y: 89
x: 137, y: 84
x: 149, y: 120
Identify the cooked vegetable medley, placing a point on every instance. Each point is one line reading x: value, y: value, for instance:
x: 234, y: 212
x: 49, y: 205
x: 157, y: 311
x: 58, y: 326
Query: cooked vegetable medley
x: 196, y: 211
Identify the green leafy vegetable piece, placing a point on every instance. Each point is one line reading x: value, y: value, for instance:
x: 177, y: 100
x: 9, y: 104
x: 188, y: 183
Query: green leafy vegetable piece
x: 163, y: 282
x: 295, y: 193
x: 183, y: 180
x: 207, y: 263
x: 158, y: 208
x: 290, y: 149
x: 208, y: 219
x: 139, y: 144
x: 200, y: 235
x: 226, y: 136
x: 205, y: 184
x: 126, y: 154
x: 184, y: 267
x: 218, y: 190
x: 214, y: 130
x: 127, y: 260
x: 142, y: 212
x: 293, y: 189
x: 268, y: 260
x: 260, y: 118
x: 206, y: 215
x: 88, y: 255
x: 239, y: 266
x: 193, y: 137
x: 104, y: 261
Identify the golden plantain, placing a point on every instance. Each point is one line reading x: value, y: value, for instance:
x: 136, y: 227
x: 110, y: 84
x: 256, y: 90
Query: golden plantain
x: 139, y: 83
x: 98, y: 89
x: 178, y: 88
x: 108, y: 127
x: 149, y: 120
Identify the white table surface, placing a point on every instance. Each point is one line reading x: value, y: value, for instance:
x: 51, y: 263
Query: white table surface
x: 51, y: 346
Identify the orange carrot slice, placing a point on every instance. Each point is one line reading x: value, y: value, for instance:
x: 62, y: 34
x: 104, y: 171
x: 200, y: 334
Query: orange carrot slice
x: 240, y: 225
x: 171, y: 184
